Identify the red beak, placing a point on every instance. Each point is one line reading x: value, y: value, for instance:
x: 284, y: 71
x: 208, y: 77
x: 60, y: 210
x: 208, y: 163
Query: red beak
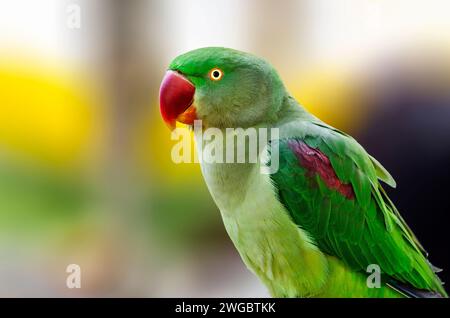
x: 176, y: 96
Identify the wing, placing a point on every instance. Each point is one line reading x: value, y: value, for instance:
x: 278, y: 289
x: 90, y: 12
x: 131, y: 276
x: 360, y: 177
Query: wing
x: 330, y: 186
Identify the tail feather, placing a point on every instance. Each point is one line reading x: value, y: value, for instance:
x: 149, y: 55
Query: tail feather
x: 434, y: 268
x: 412, y: 292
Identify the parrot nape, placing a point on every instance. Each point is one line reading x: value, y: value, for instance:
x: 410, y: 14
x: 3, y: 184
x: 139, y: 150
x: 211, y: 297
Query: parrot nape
x: 313, y: 227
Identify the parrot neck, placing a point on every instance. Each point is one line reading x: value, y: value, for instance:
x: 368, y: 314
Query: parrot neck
x: 231, y: 180
x: 292, y: 111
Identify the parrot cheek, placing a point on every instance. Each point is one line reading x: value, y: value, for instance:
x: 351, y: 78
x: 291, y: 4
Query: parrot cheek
x: 176, y: 96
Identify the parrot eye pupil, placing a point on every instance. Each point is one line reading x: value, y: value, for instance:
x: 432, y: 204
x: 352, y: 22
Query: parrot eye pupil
x: 216, y: 74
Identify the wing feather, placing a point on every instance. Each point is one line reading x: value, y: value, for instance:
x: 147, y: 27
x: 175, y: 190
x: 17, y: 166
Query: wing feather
x: 362, y: 229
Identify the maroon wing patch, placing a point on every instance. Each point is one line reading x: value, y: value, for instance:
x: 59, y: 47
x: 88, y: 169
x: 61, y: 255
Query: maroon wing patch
x: 316, y: 162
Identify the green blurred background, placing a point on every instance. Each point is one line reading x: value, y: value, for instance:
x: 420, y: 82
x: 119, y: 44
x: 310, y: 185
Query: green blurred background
x: 85, y: 170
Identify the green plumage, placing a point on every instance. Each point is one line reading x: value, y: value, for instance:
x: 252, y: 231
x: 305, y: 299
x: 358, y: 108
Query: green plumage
x: 312, y: 228
x: 361, y: 231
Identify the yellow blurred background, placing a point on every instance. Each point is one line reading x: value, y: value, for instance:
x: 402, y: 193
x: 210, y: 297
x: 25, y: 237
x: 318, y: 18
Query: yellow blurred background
x: 85, y: 170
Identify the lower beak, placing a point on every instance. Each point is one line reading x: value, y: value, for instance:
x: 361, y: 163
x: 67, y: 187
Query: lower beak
x: 176, y: 96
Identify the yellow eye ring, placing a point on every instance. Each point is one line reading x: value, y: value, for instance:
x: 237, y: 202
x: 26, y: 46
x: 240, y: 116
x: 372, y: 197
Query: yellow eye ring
x: 216, y: 74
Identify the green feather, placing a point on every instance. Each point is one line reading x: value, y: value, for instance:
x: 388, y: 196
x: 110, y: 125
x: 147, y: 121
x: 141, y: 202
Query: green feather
x: 361, y: 231
x: 382, y: 173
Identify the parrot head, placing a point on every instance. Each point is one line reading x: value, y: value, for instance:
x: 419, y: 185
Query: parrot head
x: 222, y: 87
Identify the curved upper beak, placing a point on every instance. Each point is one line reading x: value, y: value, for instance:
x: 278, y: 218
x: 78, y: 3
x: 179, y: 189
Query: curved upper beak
x: 176, y: 96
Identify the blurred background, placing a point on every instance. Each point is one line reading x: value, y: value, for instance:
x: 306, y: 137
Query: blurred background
x: 85, y: 170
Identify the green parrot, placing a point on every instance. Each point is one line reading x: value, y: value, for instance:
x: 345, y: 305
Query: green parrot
x: 318, y: 224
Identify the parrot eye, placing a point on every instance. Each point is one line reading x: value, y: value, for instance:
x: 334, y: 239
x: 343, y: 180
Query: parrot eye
x: 216, y: 74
